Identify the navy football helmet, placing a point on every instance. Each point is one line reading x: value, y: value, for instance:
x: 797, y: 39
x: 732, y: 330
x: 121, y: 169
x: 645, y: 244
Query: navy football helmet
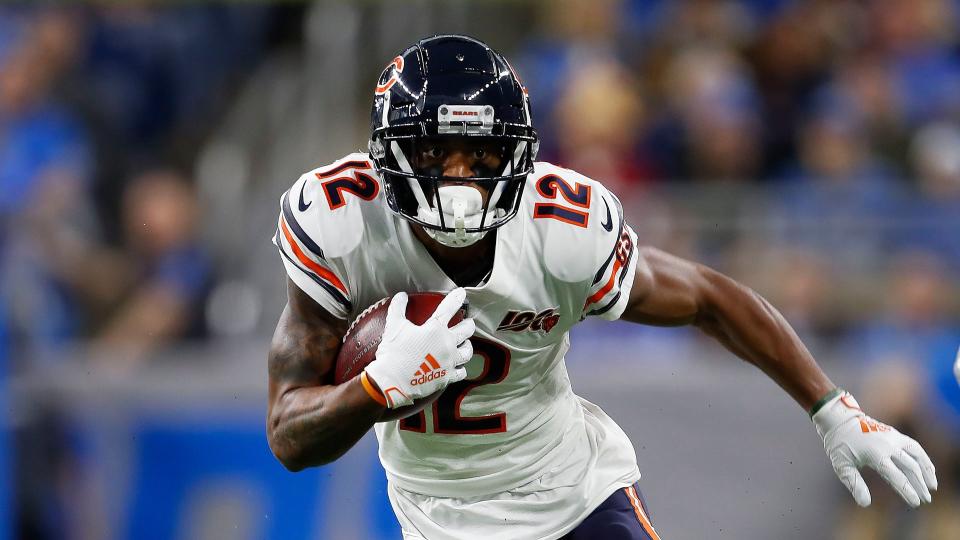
x: 451, y: 86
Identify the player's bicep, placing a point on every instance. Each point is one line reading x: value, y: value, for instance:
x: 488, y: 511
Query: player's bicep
x: 305, y: 344
x: 667, y: 290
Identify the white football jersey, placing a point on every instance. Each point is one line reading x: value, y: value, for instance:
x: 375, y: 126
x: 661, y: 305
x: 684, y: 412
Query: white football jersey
x: 511, y: 438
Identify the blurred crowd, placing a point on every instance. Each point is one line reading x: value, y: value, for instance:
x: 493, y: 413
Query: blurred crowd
x: 811, y: 149
x: 102, y: 110
x: 822, y: 140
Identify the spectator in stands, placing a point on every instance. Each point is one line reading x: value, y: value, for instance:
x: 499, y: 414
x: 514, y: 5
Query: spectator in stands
x: 918, y: 40
x: 164, y: 303
x: 711, y: 99
x: 154, y: 70
x: 790, y: 56
x: 838, y: 194
x: 45, y: 175
x: 864, y: 85
x: 572, y: 33
x: 715, y: 24
x: 909, y: 349
x: 600, y: 120
x: 154, y: 78
x: 933, y: 217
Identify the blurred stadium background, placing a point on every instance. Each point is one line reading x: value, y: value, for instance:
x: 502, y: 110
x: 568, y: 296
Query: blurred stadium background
x: 810, y: 149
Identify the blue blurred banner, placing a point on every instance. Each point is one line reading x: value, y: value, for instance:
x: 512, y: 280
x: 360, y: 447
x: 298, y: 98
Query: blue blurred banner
x: 208, y: 474
x: 181, y: 456
x: 227, y: 469
x: 6, y: 468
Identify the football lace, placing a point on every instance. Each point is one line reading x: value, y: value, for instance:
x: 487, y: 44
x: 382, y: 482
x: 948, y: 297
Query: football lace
x: 363, y: 314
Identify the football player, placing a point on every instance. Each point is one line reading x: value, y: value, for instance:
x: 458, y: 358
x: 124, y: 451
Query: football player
x: 450, y: 198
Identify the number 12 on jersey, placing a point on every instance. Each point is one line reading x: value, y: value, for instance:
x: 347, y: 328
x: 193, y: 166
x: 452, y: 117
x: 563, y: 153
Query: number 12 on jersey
x: 577, y: 196
x: 446, y: 409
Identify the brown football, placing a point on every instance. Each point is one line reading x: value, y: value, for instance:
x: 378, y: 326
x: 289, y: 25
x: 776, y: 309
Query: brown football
x: 363, y: 337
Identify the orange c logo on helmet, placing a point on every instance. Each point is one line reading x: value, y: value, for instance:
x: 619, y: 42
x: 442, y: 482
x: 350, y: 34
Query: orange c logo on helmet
x: 517, y: 77
x: 397, y: 65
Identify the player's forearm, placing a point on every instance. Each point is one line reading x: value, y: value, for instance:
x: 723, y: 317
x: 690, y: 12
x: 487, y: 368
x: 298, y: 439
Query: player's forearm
x: 747, y: 325
x: 314, y: 426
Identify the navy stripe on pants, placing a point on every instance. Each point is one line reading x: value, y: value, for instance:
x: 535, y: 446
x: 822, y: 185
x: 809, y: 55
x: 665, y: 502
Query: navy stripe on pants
x: 622, y: 516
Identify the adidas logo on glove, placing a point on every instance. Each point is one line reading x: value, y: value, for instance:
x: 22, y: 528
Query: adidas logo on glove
x: 425, y: 374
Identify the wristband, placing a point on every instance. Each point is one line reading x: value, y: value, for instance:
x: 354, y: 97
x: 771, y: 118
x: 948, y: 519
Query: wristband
x: 371, y: 389
x: 824, y: 400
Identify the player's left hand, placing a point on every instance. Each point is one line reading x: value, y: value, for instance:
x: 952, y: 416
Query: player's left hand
x: 956, y: 367
x: 853, y: 440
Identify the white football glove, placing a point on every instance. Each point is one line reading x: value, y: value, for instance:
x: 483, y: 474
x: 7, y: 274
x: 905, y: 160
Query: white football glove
x: 415, y: 361
x: 852, y: 440
x: 956, y: 367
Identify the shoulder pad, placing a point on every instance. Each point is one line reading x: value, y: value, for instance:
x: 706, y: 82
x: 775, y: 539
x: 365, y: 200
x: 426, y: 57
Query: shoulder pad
x: 577, y: 220
x: 324, y: 209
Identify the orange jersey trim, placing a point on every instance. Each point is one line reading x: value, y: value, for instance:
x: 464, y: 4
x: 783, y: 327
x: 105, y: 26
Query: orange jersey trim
x: 355, y: 164
x: 309, y: 263
x: 606, y: 288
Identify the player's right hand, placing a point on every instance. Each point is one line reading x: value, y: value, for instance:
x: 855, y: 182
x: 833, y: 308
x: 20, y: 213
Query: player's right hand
x: 415, y: 361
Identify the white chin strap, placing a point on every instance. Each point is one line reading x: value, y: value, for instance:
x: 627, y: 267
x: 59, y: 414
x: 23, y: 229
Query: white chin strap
x: 462, y: 209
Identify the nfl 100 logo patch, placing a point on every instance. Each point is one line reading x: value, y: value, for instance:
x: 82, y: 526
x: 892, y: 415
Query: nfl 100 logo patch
x: 530, y: 321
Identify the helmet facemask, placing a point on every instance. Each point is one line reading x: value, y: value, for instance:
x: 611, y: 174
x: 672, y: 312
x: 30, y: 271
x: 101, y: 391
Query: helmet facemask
x: 455, y: 211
